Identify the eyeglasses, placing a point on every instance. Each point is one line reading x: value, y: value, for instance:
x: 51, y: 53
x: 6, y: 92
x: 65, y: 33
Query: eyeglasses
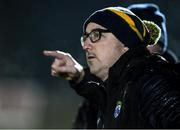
x: 94, y: 35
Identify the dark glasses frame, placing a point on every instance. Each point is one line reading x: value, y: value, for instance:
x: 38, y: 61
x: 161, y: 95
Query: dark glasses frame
x: 97, y: 31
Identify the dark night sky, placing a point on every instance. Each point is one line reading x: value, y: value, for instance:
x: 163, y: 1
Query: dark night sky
x: 27, y: 27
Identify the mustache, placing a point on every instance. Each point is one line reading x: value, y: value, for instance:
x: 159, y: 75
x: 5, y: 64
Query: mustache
x: 90, y: 54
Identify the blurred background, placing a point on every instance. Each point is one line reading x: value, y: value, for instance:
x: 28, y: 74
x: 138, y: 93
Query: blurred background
x: 29, y: 96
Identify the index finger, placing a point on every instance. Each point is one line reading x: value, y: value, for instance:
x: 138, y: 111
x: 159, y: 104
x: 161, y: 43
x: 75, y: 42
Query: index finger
x: 55, y: 54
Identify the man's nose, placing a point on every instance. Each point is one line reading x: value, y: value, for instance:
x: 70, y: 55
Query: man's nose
x: 87, y: 45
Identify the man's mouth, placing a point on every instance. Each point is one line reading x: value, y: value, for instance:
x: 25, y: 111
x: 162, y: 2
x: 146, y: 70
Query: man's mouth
x: 91, y: 56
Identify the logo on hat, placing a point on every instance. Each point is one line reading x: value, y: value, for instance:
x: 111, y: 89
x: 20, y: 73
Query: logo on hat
x: 117, y: 109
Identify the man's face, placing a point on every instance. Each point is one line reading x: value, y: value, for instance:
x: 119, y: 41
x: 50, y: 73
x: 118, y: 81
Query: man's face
x: 102, y: 54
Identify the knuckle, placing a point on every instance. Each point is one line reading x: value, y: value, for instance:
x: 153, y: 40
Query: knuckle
x: 68, y: 54
x: 60, y: 52
x: 56, y: 60
x: 53, y: 66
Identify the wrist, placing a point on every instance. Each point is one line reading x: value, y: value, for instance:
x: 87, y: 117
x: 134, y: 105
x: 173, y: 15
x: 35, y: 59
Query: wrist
x: 79, y: 73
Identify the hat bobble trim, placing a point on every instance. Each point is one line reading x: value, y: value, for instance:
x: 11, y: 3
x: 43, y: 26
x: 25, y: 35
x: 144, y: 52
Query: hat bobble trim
x: 154, y: 30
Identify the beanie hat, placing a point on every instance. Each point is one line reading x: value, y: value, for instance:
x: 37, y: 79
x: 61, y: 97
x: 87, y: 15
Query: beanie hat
x: 150, y: 11
x: 124, y: 24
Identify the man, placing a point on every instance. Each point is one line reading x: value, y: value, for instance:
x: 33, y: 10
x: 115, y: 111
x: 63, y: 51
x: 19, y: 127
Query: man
x: 146, y: 11
x: 150, y: 11
x: 124, y: 82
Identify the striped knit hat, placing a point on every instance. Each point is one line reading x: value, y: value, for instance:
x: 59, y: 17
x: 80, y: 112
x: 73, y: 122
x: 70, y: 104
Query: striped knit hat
x: 124, y: 24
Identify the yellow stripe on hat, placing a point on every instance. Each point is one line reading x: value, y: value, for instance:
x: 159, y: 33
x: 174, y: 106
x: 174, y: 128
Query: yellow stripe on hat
x: 128, y: 20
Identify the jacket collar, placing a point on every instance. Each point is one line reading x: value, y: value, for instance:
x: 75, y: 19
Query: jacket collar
x: 122, y: 64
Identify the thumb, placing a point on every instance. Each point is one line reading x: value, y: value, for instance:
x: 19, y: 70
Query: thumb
x: 70, y: 72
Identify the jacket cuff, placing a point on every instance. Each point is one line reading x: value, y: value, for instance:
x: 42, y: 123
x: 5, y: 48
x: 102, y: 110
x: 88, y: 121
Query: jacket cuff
x: 87, y: 77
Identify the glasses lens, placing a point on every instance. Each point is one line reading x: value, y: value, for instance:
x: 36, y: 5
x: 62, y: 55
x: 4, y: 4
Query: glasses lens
x: 94, y: 36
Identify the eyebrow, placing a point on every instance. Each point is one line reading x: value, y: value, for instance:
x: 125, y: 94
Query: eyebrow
x: 96, y: 29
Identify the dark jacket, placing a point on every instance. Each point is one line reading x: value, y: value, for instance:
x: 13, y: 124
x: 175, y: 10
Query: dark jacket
x: 137, y: 94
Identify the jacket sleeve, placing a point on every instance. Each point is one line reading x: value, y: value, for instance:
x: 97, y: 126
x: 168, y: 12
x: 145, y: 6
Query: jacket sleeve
x: 160, y: 101
x: 91, y: 87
